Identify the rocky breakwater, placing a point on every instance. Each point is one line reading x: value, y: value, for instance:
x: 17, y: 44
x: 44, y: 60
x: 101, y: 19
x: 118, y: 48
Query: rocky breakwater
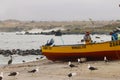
x: 20, y: 52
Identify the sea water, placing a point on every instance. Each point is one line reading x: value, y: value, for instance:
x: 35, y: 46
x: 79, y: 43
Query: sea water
x: 13, y: 41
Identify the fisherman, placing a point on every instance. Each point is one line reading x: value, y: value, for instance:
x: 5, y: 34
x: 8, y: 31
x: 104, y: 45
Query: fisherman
x: 114, y: 36
x: 87, y: 38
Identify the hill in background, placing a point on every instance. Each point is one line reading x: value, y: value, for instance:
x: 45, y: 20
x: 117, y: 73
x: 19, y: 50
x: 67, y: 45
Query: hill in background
x: 69, y: 26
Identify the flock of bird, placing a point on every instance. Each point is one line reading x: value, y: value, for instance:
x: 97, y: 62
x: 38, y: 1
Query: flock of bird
x: 91, y: 68
x: 16, y: 73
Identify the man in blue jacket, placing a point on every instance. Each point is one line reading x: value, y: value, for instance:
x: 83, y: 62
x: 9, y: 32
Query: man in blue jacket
x: 114, y: 36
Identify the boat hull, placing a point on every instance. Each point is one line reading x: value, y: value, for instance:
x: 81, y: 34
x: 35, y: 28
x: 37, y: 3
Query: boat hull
x: 95, y: 51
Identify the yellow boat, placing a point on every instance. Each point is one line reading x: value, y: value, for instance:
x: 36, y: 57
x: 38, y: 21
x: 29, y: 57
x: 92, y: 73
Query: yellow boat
x: 93, y: 51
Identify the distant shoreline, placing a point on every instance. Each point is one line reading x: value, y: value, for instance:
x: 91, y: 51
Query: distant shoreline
x: 70, y: 27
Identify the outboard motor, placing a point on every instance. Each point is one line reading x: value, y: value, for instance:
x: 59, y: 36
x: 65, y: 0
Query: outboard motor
x: 49, y: 42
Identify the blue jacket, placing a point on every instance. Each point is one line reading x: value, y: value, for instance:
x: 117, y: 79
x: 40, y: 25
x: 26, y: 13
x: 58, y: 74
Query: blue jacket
x: 114, y: 36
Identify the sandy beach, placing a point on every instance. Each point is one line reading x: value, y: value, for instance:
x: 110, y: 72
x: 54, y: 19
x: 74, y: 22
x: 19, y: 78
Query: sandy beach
x: 49, y: 70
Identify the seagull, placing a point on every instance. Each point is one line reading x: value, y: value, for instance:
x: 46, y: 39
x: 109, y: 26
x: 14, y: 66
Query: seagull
x: 71, y: 65
x: 79, y: 60
x: 13, y: 73
x: 91, y: 67
x: 105, y: 59
x: 10, y: 61
x: 72, y: 74
x: 34, y: 70
x: 1, y: 76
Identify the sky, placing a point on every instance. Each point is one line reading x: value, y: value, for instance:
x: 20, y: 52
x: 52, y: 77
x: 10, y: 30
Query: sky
x: 59, y: 10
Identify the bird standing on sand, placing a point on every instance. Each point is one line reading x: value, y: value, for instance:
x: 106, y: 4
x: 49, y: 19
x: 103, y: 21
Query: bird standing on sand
x: 71, y: 74
x: 91, y: 67
x: 10, y: 61
x: 105, y: 59
x: 71, y: 65
x: 13, y: 73
x: 1, y: 76
x: 34, y: 70
x: 79, y: 60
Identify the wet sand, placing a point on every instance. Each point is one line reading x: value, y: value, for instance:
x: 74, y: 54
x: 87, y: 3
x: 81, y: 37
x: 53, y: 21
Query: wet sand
x: 49, y: 70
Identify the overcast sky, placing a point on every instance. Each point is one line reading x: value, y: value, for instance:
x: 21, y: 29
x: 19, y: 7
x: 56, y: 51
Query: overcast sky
x: 59, y: 10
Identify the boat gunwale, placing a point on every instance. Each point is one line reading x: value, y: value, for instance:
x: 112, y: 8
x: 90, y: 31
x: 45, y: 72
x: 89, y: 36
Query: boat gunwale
x: 81, y: 44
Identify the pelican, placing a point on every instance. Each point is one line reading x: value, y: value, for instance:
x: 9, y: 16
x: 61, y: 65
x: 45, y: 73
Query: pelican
x: 10, y: 61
